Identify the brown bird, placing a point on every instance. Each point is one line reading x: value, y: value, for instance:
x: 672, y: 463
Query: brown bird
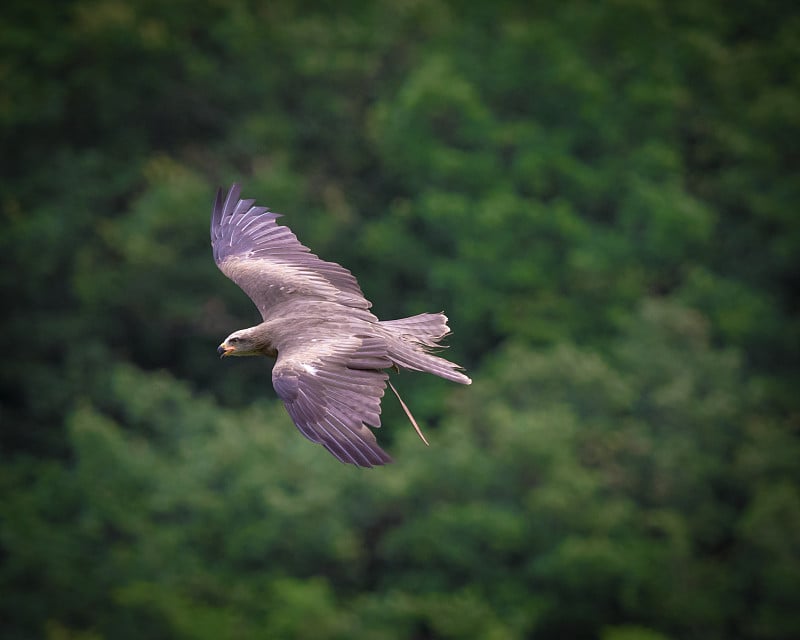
x: 331, y: 351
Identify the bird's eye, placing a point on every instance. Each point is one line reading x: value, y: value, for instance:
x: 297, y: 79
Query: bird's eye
x: 234, y: 339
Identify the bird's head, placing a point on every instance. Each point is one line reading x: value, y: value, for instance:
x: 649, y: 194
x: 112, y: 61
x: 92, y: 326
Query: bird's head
x: 241, y: 343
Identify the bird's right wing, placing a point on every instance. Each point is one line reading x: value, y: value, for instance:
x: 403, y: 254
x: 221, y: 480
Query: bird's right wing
x: 332, y: 389
x: 268, y: 261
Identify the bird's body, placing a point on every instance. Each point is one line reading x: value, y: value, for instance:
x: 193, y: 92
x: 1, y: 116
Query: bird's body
x: 331, y: 350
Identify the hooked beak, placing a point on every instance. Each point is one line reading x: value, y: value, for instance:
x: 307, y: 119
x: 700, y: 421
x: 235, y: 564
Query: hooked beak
x: 224, y: 350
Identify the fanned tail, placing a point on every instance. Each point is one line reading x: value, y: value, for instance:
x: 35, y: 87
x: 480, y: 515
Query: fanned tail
x: 412, y: 339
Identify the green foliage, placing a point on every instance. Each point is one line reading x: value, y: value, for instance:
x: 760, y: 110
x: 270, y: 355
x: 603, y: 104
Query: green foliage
x: 600, y: 195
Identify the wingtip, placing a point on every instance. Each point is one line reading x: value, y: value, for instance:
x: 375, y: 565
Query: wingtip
x: 216, y: 212
x: 223, y: 199
x: 380, y: 461
x: 233, y: 195
x: 363, y: 459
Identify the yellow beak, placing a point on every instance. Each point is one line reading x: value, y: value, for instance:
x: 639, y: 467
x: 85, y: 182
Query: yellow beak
x: 225, y: 350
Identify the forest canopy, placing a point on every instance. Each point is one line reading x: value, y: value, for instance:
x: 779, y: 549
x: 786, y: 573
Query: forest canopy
x: 602, y: 196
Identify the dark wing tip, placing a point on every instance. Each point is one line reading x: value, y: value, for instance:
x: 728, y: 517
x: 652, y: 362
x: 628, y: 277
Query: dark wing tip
x: 358, y: 457
x: 233, y: 196
x: 222, y: 204
x: 216, y: 214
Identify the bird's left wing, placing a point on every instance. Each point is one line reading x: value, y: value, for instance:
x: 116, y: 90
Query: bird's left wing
x: 268, y: 261
x: 332, y: 389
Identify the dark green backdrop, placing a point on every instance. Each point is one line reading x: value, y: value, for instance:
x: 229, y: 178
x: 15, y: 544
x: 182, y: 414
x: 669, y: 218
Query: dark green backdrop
x: 601, y: 195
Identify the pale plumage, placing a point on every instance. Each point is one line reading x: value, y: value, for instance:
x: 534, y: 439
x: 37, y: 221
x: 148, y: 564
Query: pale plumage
x: 331, y: 350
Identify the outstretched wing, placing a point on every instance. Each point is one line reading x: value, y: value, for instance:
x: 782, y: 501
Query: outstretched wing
x: 333, y: 390
x: 268, y: 261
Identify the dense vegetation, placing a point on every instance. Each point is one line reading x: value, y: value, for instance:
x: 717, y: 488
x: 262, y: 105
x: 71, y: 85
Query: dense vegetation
x: 602, y: 196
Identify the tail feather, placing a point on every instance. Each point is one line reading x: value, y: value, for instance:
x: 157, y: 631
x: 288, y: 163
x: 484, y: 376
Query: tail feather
x: 427, y: 328
x: 411, y: 340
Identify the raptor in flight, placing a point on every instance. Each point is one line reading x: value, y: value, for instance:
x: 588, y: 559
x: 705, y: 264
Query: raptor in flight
x: 331, y: 351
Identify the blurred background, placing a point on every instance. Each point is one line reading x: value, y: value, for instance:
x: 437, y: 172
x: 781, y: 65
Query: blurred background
x: 601, y: 195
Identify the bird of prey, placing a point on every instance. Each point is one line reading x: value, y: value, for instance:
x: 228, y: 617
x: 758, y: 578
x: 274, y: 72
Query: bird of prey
x: 331, y: 351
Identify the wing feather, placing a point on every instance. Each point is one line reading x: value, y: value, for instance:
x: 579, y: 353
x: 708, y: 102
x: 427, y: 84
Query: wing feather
x: 268, y: 261
x: 332, y: 399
